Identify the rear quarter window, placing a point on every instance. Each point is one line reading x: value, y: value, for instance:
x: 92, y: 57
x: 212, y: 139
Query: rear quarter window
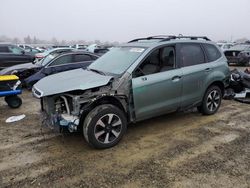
x: 212, y: 52
x: 82, y: 57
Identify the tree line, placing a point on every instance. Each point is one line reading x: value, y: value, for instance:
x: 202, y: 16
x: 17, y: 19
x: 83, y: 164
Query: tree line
x: 54, y: 41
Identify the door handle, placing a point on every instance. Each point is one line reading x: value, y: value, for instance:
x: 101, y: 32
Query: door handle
x: 144, y: 78
x: 176, y: 78
x: 208, y: 69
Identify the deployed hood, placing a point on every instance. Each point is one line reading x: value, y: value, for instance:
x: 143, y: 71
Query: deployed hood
x: 78, y: 79
x: 9, y: 70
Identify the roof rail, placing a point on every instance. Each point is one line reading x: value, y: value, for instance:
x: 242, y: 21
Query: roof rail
x: 153, y: 37
x: 187, y: 37
x: 170, y: 37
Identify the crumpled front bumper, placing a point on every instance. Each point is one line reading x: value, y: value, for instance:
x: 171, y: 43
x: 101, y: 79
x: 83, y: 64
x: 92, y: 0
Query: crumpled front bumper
x: 51, y: 121
x: 59, y: 121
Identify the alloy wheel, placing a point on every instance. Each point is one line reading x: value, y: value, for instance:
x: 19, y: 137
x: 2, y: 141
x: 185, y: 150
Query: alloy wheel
x: 108, y: 128
x: 213, y: 100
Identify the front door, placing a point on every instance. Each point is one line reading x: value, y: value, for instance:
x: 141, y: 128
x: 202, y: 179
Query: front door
x: 157, y: 84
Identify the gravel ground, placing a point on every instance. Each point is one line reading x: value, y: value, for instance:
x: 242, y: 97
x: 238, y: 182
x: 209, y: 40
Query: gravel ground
x: 177, y: 150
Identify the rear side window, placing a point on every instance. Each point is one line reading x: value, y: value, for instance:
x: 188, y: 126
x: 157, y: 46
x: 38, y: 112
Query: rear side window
x: 82, y: 57
x: 212, y: 52
x: 191, y: 54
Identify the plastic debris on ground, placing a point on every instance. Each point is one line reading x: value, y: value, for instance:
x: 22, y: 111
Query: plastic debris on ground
x: 15, y: 118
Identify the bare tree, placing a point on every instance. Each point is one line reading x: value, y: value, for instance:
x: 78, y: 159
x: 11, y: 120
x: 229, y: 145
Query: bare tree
x: 54, y: 41
x: 16, y: 40
x: 27, y: 40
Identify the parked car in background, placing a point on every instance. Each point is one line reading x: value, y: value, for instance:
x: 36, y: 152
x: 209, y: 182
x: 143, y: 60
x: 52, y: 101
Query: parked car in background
x: 13, y: 55
x: 29, y: 49
x: 56, y: 63
x: 225, y: 45
x: 144, y: 78
x: 239, y: 54
x: 80, y: 46
x: 101, y: 51
x: 92, y: 47
x: 52, y: 51
x: 27, y: 69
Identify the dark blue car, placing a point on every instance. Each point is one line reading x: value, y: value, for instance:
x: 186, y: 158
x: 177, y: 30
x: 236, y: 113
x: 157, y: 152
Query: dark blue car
x: 58, y: 63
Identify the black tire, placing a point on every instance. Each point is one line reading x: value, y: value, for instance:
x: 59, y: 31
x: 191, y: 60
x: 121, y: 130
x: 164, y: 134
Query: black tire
x: 13, y: 101
x: 110, y: 131
x: 211, y: 101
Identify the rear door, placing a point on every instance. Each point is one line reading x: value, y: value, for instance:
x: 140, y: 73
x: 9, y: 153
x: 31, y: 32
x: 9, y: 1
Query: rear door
x: 156, y: 84
x: 195, y: 72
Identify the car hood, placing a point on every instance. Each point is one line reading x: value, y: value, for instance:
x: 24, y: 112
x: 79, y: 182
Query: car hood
x: 18, y: 67
x: 78, y: 79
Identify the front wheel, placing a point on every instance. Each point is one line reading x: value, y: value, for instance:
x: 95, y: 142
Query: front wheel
x: 104, y: 126
x: 211, y: 101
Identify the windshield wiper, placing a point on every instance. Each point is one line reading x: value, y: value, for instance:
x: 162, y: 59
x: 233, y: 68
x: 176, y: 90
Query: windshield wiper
x: 97, y: 71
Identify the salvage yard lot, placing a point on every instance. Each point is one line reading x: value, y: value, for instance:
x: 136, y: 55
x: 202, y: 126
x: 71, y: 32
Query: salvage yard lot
x: 177, y: 150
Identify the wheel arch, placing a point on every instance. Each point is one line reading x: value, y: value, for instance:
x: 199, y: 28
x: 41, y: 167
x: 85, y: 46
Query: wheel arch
x: 116, y: 101
x: 220, y: 84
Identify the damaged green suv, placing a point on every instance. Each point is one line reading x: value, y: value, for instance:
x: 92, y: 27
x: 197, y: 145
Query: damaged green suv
x: 144, y: 78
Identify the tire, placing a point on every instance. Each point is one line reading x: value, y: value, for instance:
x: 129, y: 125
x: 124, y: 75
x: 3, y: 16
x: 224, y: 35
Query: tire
x: 211, y: 101
x: 13, y: 101
x: 104, y: 126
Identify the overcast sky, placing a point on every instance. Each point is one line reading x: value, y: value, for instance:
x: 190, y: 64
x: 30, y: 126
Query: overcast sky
x: 122, y: 20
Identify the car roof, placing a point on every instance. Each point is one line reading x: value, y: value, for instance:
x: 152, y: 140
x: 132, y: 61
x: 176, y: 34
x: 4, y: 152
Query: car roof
x: 77, y: 52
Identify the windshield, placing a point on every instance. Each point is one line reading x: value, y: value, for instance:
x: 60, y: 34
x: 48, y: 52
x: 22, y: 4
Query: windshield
x: 117, y: 60
x: 47, y: 59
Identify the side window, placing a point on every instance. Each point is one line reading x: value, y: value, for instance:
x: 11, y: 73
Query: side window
x: 62, y: 60
x: 159, y: 60
x: 15, y: 50
x: 191, y: 54
x: 150, y: 65
x: 212, y: 52
x: 82, y: 57
x: 4, y: 49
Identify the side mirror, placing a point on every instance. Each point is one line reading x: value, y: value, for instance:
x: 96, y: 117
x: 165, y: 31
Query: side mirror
x: 23, y: 52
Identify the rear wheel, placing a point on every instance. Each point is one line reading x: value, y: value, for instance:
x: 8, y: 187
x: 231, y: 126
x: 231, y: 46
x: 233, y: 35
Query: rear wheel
x: 13, y: 101
x: 211, y: 101
x: 104, y: 126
